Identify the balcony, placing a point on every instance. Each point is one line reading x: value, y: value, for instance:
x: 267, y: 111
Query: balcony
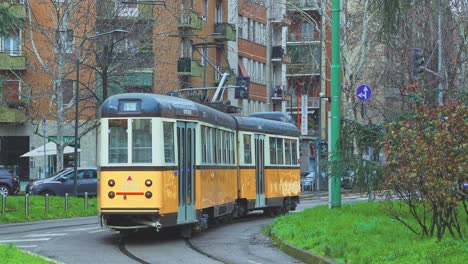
x: 16, y: 6
x: 303, y: 69
x: 224, y: 31
x: 278, y: 54
x: 13, y: 111
x: 192, y: 21
x: 189, y: 67
x: 277, y: 93
x: 231, y: 78
x: 303, y: 4
x: 9, y: 62
x: 278, y: 15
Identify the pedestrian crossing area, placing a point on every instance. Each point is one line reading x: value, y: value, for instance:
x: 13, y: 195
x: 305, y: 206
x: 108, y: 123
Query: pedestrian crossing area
x: 37, y: 238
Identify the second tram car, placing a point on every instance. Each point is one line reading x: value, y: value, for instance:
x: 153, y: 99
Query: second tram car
x: 167, y: 161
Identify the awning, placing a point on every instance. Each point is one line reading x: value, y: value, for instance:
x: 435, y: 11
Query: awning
x: 50, y: 149
x: 243, y: 70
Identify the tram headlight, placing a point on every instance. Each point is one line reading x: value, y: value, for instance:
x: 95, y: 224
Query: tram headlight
x: 148, y: 195
x: 148, y: 183
x: 111, y: 183
x: 111, y: 195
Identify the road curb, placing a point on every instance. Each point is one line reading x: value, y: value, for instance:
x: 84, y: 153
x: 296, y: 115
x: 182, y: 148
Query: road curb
x: 298, y: 253
x: 53, y: 261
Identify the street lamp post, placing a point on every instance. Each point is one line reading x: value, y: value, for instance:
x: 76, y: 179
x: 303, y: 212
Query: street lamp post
x: 77, y: 100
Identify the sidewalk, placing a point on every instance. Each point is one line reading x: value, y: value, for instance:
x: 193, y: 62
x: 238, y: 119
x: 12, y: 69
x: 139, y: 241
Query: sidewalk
x: 317, y: 194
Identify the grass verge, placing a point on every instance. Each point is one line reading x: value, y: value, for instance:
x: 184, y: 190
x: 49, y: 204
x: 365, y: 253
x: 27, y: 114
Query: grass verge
x: 363, y: 233
x: 15, y: 210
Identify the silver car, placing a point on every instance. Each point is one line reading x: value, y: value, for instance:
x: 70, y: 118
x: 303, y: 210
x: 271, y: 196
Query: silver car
x: 63, y: 182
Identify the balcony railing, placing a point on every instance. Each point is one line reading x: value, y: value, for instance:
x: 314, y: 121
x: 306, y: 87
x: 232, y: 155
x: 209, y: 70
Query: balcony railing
x: 17, y: 7
x: 189, y: 67
x: 192, y: 21
x: 12, y: 111
x: 12, y: 62
x: 303, y: 4
x: 224, y: 31
x: 302, y: 69
x: 278, y: 53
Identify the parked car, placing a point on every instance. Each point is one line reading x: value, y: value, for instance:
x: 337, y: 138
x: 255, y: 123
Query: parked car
x: 9, y: 183
x: 62, y: 182
x: 307, y: 183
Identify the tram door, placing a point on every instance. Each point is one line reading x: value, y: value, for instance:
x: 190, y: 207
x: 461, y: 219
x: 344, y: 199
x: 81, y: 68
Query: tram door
x: 186, y: 161
x: 260, y: 170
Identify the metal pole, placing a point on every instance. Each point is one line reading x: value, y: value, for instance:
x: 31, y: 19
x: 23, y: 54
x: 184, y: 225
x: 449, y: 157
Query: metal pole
x: 86, y: 200
x: 440, y: 98
x: 77, y: 117
x: 26, y: 204
x: 47, y: 203
x: 335, y: 103
x: 66, y: 202
x: 44, y: 130
x: 3, y: 204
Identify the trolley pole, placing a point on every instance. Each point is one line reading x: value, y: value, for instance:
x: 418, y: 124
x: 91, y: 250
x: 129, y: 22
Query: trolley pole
x: 335, y: 191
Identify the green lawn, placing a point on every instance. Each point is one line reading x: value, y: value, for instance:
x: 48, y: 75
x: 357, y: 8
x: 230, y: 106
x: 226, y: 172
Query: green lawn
x: 9, y: 254
x: 15, y: 212
x: 362, y: 233
x: 15, y: 208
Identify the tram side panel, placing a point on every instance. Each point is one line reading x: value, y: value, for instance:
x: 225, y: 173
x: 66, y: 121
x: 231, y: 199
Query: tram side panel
x: 216, y: 188
x: 247, y: 186
x: 280, y: 183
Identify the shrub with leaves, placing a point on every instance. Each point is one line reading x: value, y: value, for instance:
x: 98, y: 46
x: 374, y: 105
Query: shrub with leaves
x: 427, y: 157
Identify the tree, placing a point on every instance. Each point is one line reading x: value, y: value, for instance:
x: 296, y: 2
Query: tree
x: 56, y: 32
x: 427, y: 157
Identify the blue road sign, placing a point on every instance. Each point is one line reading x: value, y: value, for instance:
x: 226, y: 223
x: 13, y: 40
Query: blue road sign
x: 364, y: 92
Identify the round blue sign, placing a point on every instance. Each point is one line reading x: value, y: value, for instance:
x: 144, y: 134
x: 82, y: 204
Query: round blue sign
x: 364, y: 92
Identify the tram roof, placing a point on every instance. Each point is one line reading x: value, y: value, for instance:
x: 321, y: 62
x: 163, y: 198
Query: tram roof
x: 155, y: 105
x: 255, y: 124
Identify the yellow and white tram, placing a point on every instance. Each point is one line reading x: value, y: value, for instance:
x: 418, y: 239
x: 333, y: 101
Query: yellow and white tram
x: 166, y: 161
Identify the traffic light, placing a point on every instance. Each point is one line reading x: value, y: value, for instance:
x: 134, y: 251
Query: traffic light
x: 242, y: 88
x: 417, y: 63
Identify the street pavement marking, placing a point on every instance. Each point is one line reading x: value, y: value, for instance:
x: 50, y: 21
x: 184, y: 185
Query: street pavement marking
x: 83, y: 229
x: 24, y: 240
x: 45, y: 235
x: 29, y: 246
x: 251, y: 261
x: 97, y: 231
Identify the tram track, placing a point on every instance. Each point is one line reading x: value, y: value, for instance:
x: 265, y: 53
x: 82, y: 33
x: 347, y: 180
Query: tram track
x: 190, y: 244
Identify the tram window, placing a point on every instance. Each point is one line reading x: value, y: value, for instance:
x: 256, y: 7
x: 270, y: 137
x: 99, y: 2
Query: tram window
x: 294, y: 151
x: 168, y: 130
x: 118, y: 142
x: 287, y: 151
x: 223, y: 133
x: 219, y: 146
x: 273, y: 150
x: 141, y: 141
x: 247, y: 150
x: 233, y: 154
x: 203, y: 139
x: 209, y: 138
x: 228, y: 147
x: 279, y: 151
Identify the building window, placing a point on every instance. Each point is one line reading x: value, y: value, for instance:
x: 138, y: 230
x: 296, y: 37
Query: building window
x: 126, y: 9
x: 11, y: 90
x: 219, y: 11
x: 141, y: 141
x: 205, y: 10
x: 240, y: 27
x: 68, y: 90
x: 118, y: 141
x: 10, y: 44
x: 168, y: 134
x: 65, y: 39
x: 204, y: 56
x: 307, y: 31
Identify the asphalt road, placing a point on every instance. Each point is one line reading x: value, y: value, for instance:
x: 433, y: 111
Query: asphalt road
x: 82, y: 240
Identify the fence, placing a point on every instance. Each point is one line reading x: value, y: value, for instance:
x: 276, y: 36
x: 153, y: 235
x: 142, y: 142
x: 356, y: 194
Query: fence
x: 46, y: 203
